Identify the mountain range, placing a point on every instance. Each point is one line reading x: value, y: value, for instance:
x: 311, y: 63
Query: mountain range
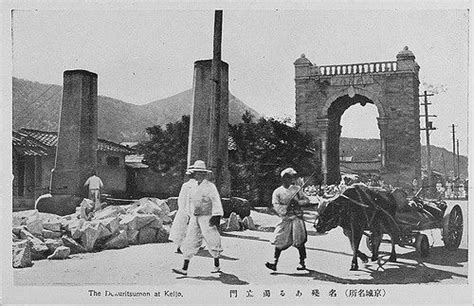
x: 37, y: 106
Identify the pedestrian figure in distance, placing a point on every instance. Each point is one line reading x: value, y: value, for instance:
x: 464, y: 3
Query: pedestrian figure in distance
x: 291, y: 231
x: 449, y: 189
x: 461, y: 193
x: 415, y: 185
x: 95, y: 186
x: 205, y: 211
x: 439, y: 190
x: 181, y: 219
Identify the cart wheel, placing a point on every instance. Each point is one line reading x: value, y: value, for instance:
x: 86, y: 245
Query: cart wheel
x: 368, y: 241
x: 452, y: 228
x: 422, y: 245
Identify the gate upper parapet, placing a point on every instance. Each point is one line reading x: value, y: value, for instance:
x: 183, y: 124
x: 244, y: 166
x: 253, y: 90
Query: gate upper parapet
x: 405, y: 63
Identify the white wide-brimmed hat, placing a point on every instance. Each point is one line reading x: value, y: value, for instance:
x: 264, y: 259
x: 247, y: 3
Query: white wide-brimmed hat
x: 289, y: 171
x: 199, y: 166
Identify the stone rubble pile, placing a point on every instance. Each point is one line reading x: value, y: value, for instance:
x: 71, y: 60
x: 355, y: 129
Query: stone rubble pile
x: 39, y: 235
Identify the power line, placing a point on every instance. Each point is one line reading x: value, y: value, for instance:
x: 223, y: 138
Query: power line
x: 21, y: 91
x: 40, y: 105
x: 31, y: 111
x: 42, y: 94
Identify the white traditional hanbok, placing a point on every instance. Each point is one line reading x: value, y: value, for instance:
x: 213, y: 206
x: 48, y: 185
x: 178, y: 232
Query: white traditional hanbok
x: 204, y: 202
x: 181, y: 220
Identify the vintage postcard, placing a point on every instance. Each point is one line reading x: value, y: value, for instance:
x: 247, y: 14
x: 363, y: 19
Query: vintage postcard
x: 278, y: 153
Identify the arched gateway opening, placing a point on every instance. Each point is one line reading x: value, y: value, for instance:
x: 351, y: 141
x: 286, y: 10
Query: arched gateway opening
x: 324, y: 93
x: 335, y: 114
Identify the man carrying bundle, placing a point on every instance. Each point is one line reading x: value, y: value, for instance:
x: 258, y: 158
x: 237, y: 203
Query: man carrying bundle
x: 291, y: 231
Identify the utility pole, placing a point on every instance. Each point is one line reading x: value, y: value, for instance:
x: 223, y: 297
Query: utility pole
x: 457, y: 144
x: 454, y: 149
x: 428, y: 127
x: 214, y: 160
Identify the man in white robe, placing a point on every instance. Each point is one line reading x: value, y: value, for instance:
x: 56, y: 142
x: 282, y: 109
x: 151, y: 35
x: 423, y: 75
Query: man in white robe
x: 181, y: 219
x: 205, y: 211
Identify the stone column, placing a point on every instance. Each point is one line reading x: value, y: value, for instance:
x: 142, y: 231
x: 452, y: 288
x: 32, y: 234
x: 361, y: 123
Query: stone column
x: 323, y: 124
x: 76, y: 152
x: 201, y: 125
x: 333, y: 155
x: 382, y: 123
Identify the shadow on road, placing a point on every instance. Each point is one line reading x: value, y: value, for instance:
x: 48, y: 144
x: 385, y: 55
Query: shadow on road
x: 205, y: 253
x: 440, y: 256
x: 399, y: 274
x: 329, y: 251
x: 315, y: 233
x: 244, y: 237
x: 225, y: 278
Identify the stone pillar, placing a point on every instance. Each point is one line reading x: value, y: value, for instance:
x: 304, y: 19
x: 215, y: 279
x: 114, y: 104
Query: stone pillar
x: 402, y: 141
x: 199, y: 145
x: 382, y: 123
x: 76, y: 150
x: 323, y: 125
x: 332, y: 152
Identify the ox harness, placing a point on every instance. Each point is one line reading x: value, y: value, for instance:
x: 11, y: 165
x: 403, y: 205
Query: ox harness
x: 375, y: 206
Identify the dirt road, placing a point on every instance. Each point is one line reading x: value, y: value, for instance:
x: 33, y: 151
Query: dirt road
x: 329, y: 259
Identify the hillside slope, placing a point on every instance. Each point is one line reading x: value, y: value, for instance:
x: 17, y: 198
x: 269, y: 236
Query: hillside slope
x: 37, y: 106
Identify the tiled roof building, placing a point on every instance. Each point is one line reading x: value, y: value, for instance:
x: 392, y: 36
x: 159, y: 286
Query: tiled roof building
x: 34, y: 155
x: 51, y: 139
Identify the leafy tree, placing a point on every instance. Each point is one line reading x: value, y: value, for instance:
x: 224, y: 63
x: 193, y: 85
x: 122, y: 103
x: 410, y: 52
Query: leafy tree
x: 166, y: 150
x: 258, y: 152
x: 261, y: 150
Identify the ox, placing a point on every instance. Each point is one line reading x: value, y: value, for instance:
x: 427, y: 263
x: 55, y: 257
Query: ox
x: 358, y: 209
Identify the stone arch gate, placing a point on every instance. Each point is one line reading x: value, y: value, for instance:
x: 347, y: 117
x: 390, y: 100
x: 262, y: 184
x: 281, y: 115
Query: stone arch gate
x: 323, y: 93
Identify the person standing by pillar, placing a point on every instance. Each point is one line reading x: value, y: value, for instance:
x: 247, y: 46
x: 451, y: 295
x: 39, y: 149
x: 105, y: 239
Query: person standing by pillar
x: 291, y: 231
x: 205, y: 211
x: 180, y: 222
x: 95, y: 185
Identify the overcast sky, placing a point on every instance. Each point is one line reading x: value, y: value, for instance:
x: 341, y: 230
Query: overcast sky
x: 145, y: 55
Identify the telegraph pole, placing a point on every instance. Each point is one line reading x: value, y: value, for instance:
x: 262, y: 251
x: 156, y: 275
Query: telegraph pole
x: 457, y: 144
x: 428, y: 127
x: 454, y: 149
x: 214, y: 160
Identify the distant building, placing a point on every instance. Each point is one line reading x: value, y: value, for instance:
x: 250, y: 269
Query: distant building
x: 34, y: 155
